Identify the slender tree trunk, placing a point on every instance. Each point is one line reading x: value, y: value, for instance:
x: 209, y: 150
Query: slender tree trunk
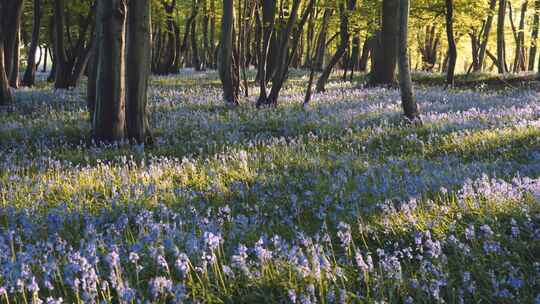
x: 226, y: 68
x: 194, y: 47
x: 284, y: 55
x: 268, y: 19
x: 501, y: 60
x: 109, y: 115
x: 534, y: 36
x: 138, y: 69
x: 30, y: 73
x: 45, y: 57
x: 386, y: 53
x: 520, y: 57
x: 343, y: 45
x: 321, y: 46
x: 408, y: 100
x: 213, y: 33
x: 452, y: 50
x: 485, y: 34
x: 367, y: 48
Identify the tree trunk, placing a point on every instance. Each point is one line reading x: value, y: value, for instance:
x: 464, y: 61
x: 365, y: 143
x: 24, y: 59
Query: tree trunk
x: 30, y: 73
x: 226, y: 68
x: 62, y: 74
x: 284, y: 55
x: 501, y: 56
x: 367, y: 49
x: 386, y: 53
x: 268, y: 19
x: 519, y: 36
x: 92, y: 75
x: 5, y: 92
x: 109, y: 115
x: 534, y: 36
x: 194, y: 47
x: 12, y: 28
x: 452, y: 50
x: 408, y: 100
x: 343, y: 44
x: 485, y: 34
x: 138, y: 67
x: 321, y: 45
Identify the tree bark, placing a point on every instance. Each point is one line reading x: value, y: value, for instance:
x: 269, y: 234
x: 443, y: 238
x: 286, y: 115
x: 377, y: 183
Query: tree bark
x: 109, y: 116
x: 62, y: 73
x: 12, y: 28
x: 408, y: 100
x: 501, y: 56
x: 138, y: 68
x: 194, y: 47
x: 452, y: 49
x: 485, y: 35
x: 30, y: 73
x: 5, y: 92
x: 343, y: 45
x: 386, y: 53
x: 268, y: 19
x: 321, y: 45
x: 226, y: 66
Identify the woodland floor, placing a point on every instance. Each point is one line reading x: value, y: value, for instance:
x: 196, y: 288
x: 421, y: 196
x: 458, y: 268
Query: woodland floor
x: 339, y: 202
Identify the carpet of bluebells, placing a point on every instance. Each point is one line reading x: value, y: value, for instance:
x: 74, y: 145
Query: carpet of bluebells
x: 338, y: 202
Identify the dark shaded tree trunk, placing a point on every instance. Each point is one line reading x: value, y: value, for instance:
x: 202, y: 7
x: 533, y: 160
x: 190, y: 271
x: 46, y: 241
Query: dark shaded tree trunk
x: 109, y: 115
x: 385, y: 54
x: 194, y: 47
x: 138, y: 69
x: 5, y: 92
x: 410, y: 108
x: 452, y: 49
x: 30, y: 73
x: 268, y: 19
x: 12, y: 29
x: 284, y: 55
x: 321, y: 45
x: 226, y: 65
x: 367, y: 50
x: 62, y: 72
x: 501, y: 56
